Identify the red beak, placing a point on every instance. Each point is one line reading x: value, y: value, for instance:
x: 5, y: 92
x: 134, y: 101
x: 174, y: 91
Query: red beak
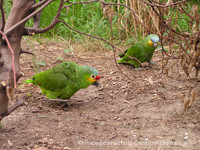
x: 97, y: 77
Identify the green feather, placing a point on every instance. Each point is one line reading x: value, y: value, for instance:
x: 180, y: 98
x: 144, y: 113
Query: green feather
x: 140, y: 50
x: 29, y: 81
x: 63, y: 80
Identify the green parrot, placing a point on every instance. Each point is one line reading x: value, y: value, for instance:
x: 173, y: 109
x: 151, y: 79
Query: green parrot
x: 65, y: 79
x: 142, y: 50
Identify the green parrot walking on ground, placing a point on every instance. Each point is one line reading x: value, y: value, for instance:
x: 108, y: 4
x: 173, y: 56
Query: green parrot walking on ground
x: 142, y: 50
x: 65, y: 79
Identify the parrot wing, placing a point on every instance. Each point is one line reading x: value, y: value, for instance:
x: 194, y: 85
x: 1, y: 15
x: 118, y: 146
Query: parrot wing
x: 135, y: 50
x: 52, y: 81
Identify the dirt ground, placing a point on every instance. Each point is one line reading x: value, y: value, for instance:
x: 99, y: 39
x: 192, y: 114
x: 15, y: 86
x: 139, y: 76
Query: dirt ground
x: 145, y: 112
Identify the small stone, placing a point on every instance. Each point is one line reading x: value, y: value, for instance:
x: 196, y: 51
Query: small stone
x: 118, y: 119
x: 115, y: 118
x: 10, y: 143
x: 66, y: 148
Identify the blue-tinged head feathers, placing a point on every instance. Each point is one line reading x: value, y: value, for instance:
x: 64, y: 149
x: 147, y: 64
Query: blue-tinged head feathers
x: 154, y: 38
x: 88, y: 76
x: 90, y: 70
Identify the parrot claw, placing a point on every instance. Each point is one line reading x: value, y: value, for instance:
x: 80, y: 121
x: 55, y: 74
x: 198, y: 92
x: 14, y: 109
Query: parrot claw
x: 62, y: 101
x: 69, y: 103
x: 78, y: 102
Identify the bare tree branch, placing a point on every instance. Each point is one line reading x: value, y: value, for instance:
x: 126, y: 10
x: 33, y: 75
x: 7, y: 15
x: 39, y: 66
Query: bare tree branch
x: 26, y: 51
x: 28, y: 17
x: 35, y: 29
x: 32, y: 31
x: 38, y: 4
x: 19, y: 75
x: 11, y: 109
x: 36, y: 20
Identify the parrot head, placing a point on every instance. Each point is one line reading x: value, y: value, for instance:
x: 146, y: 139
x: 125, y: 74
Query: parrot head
x: 153, y: 41
x: 90, y: 76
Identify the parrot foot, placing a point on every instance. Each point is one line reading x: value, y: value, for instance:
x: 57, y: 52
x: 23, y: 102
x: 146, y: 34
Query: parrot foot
x: 152, y: 63
x: 139, y: 68
x: 66, y: 102
x: 79, y: 102
x: 59, y: 100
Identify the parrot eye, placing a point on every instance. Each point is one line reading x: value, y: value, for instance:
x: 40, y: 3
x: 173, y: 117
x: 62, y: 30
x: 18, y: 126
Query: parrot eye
x: 93, y: 76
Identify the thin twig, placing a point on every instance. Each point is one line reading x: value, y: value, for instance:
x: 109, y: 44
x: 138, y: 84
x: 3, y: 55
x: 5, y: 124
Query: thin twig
x: 86, y: 2
x: 118, y: 65
x: 27, y: 52
x: 136, y: 15
x: 164, y: 6
x: 196, y: 19
x: 38, y: 4
x: 165, y: 25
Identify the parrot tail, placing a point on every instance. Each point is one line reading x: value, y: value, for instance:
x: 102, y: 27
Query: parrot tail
x: 122, y: 55
x: 29, y: 81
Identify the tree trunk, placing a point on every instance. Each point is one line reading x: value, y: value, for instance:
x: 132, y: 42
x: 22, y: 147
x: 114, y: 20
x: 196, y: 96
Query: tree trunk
x: 20, y: 9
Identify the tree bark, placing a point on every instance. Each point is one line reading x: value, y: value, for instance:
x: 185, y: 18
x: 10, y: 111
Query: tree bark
x: 20, y: 9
